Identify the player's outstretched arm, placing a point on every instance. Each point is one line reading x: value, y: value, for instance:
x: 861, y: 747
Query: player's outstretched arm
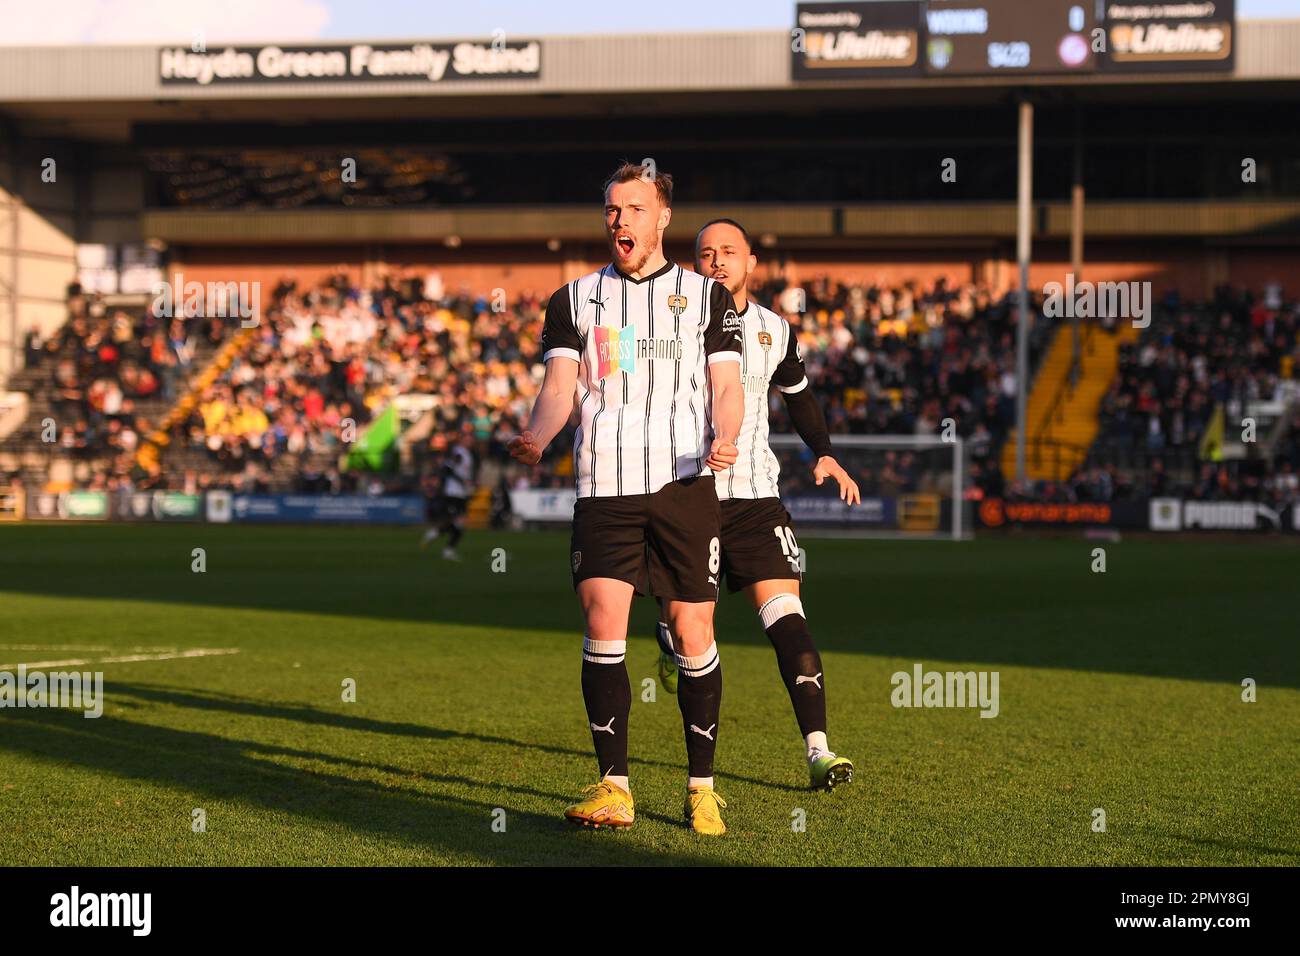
x: 550, y: 411
x: 810, y: 422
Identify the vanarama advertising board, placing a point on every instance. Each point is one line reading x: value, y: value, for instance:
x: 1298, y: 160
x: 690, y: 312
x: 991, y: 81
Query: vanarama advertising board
x: 994, y: 513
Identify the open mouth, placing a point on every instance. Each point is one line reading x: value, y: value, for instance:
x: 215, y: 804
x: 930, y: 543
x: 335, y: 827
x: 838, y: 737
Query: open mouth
x: 625, y: 245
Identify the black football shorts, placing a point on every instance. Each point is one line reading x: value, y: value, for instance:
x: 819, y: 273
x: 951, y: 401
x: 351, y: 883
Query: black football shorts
x: 666, y: 544
x: 758, y: 542
x: 444, y: 508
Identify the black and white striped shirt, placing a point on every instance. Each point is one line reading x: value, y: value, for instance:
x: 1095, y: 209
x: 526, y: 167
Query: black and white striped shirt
x: 642, y: 346
x: 458, y: 473
x: 770, y: 357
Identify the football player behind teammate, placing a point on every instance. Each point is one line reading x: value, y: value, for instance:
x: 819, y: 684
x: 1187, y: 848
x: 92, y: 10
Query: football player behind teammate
x: 447, y: 510
x: 653, y: 353
x: 759, y: 553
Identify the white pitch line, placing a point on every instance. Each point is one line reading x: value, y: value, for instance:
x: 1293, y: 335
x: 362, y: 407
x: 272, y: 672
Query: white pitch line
x: 81, y: 647
x: 194, y: 652
x: 125, y: 659
x: 54, y: 647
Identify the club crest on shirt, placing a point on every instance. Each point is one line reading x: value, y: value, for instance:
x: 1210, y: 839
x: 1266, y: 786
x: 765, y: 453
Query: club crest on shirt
x: 765, y: 340
x: 677, y: 304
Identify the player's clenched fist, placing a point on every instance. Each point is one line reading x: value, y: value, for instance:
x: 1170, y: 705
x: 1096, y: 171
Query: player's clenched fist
x: 525, y: 448
x: 722, y: 455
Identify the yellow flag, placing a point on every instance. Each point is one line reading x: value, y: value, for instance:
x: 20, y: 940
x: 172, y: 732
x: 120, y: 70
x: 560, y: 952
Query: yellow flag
x: 1212, y: 441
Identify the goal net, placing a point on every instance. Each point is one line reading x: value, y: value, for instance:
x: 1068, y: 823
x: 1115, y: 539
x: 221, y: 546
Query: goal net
x: 911, y: 486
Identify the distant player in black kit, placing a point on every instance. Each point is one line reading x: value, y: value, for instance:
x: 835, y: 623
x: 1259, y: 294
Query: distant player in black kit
x: 759, y: 553
x: 446, y: 510
x: 653, y: 352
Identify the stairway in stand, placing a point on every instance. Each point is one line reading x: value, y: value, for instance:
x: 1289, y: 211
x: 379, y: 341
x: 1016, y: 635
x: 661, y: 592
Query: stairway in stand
x: 148, y: 456
x: 479, y: 508
x: 1062, y: 420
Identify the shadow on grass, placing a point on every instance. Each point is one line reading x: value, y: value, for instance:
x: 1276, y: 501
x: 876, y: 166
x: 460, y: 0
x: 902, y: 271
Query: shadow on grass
x: 244, y: 772
x: 1191, y: 609
x: 121, y: 693
x: 1255, y: 850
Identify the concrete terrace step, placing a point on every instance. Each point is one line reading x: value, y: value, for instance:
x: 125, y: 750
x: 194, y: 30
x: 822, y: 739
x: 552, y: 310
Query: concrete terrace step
x: 1074, y: 421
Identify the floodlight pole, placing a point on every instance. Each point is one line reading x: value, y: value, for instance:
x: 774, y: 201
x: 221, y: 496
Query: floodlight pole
x: 958, y: 489
x: 1076, y: 238
x: 12, y: 208
x: 1025, y: 192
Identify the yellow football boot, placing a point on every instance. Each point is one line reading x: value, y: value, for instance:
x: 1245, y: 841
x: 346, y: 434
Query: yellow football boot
x: 604, y: 804
x: 702, y: 811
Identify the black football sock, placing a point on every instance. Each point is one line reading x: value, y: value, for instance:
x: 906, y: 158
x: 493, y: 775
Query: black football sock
x: 608, y: 695
x: 699, y: 696
x: 796, y: 655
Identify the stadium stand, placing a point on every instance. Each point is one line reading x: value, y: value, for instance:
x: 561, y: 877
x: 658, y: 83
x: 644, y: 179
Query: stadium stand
x: 267, y: 178
x: 1176, y: 411
x: 885, y: 360
x: 263, y: 409
x: 95, y: 386
x: 274, y: 417
x: 901, y: 360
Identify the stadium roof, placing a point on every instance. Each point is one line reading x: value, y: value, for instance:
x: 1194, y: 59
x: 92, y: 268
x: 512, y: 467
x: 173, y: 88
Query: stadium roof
x: 99, y: 92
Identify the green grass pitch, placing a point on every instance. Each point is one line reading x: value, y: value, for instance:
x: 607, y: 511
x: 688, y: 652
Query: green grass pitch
x: 1120, y: 691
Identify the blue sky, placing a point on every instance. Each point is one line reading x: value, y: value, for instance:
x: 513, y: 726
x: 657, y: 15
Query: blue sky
x: 402, y: 18
x: 59, y: 22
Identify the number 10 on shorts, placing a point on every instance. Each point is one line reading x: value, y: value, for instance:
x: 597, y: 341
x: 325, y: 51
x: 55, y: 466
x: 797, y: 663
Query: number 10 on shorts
x: 796, y: 555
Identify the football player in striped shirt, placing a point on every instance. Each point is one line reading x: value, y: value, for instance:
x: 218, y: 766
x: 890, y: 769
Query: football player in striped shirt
x: 446, y: 511
x: 759, y: 552
x: 653, y: 353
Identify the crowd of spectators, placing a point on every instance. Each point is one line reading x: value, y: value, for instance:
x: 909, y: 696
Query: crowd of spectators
x: 99, y: 368
x: 912, y: 358
x: 883, y: 359
x: 904, y: 359
x: 326, y: 359
x: 1236, y: 352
